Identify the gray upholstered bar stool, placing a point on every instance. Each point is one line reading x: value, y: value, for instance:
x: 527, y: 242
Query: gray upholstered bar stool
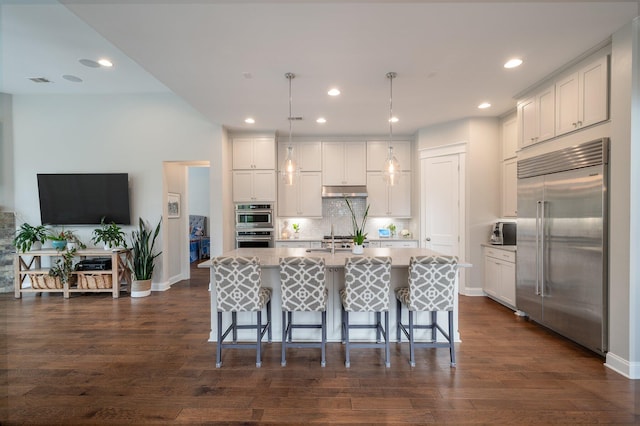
x: 238, y: 289
x: 304, y: 289
x: 431, y: 289
x: 367, y: 283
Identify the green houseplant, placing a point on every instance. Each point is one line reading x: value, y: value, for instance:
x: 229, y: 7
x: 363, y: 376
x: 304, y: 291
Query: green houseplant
x: 27, y: 235
x: 143, y: 258
x: 358, y: 230
x: 60, y: 239
x: 110, y: 234
x: 63, y: 266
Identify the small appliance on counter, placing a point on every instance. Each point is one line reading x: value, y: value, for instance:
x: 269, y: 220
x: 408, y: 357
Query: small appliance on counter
x: 503, y: 233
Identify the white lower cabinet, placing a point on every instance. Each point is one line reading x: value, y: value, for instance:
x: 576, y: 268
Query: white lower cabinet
x: 500, y: 275
x: 399, y: 244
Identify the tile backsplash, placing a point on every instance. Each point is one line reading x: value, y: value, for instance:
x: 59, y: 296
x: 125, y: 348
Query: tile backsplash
x: 335, y: 212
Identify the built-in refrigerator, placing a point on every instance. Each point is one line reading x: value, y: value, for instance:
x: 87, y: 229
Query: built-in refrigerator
x: 562, y: 278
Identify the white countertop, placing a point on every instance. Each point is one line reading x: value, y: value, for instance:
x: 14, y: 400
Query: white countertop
x: 322, y: 239
x: 269, y: 257
x: 500, y: 247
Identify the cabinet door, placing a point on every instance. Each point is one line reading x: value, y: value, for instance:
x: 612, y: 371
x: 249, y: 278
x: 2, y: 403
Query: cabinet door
x: 264, y: 185
x: 242, y: 185
x: 399, y: 244
x: 377, y: 195
x: 567, y: 104
x: 546, y: 101
x: 288, y: 198
x: 510, y: 188
x: 264, y: 153
x: 507, y: 290
x: 528, y: 118
x: 310, y: 159
x: 491, y: 276
x: 355, y: 161
x: 509, y: 138
x: 242, y: 153
x: 377, y: 152
x: 310, y: 194
x: 400, y: 196
x: 594, y: 94
x: 333, y: 163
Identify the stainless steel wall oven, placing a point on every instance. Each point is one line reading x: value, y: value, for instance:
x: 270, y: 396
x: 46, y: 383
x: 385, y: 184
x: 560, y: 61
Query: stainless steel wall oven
x: 254, y: 225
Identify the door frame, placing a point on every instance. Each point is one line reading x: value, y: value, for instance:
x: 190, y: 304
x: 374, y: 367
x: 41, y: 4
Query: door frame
x: 458, y: 149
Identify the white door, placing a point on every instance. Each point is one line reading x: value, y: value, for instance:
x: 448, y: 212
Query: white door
x: 440, y: 183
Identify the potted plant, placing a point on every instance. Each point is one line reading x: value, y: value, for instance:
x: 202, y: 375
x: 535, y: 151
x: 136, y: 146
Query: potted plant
x: 58, y: 239
x: 142, y: 259
x: 358, y: 231
x: 392, y: 229
x: 73, y: 242
x: 28, y: 235
x: 296, y: 230
x: 63, y: 266
x: 110, y: 234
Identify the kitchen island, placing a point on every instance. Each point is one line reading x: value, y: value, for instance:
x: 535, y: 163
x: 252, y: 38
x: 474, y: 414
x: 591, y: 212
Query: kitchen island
x: 269, y: 260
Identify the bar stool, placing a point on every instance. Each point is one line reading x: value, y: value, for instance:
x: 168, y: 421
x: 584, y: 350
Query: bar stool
x: 304, y: 289
x: 431, y: 289
x: 238, y: 289
x: 367, y: 283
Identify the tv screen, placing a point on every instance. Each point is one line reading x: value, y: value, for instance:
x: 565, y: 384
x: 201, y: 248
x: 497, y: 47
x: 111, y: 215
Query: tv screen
x: 84, y: 198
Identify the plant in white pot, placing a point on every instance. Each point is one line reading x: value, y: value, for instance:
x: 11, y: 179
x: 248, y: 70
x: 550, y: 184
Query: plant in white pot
x: 110, y: 234
x: 29, y: 236
x: 358, y: 231
x: 143, y: 258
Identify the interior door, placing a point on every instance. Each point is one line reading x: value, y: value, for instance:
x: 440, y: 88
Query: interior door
x: 442, y: 204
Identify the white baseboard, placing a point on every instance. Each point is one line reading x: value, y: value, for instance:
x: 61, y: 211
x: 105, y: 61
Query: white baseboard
x: 163, y: 286
x: 472, y: 291
x: 630, y: 370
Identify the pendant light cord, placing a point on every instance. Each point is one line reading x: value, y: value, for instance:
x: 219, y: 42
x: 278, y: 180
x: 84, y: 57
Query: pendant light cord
x: 391, y: 76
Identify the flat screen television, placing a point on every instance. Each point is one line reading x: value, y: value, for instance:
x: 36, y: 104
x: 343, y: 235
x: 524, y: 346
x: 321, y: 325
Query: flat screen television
x: 84, y: 198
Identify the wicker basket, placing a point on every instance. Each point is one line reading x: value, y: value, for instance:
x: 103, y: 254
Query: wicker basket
x: 93, y: 281
x: 44, y: 281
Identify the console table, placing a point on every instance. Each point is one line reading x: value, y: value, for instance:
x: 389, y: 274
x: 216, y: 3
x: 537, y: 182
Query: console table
x: 30, y: 263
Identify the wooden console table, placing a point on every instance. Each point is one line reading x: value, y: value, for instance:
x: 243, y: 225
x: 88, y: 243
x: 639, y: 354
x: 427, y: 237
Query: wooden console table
x: 31, y: 263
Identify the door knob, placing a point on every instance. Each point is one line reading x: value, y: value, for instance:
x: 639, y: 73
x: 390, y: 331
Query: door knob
x: 428, y: 238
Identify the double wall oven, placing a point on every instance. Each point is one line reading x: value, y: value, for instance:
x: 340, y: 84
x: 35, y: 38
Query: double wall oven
x: 254, y: 225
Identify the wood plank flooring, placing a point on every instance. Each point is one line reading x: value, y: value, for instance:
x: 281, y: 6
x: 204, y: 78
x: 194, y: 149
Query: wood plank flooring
x: 92, y: 359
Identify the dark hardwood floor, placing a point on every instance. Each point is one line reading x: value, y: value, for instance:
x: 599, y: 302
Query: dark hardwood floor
x: 92, y: 359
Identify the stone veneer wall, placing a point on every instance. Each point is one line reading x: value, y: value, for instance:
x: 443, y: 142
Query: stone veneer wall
x: 7, y: 232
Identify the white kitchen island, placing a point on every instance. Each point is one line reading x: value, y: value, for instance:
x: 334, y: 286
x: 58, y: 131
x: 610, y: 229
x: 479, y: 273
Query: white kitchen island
x: 269, y: 260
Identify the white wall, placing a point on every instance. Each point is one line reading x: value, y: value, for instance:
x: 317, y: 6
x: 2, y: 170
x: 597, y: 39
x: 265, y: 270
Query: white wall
x: 482, y: 182
x: 133, y: 134
x: 6, y: 153
x: 199, y: 198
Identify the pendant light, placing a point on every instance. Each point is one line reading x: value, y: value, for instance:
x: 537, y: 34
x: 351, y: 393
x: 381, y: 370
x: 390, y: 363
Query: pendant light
x: 289, y: 167
x: 391, y: 167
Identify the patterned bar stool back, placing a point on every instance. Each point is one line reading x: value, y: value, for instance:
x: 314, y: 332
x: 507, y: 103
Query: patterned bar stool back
x: 238, y: 284
x: 367, y: 282
x: 303, y: 284
x: 431, y: 283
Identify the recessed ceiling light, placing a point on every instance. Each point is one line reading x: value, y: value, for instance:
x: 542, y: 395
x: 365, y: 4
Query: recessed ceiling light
x: 484, y: 105
x: 89, y: 63
x: 394, y: 119
x: 105, y: 62
x: 321, y: 120
x: 333, y: 92
x: 72, y: 78
x: 249, y: 120
x: 513, y: 63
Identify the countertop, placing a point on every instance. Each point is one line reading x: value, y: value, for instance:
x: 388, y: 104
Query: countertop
x: 322, y: 239
x: 500, y: 247
x: 269, y: 257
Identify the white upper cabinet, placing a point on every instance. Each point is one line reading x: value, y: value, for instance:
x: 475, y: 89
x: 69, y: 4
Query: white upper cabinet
x: 510, y: 187
x: 582, y: 97
x: 509, y: 138
x: 303, y: 198
x: 536, y: 117
x: 257, y: 153
x: 389, y: 201
x: 307, y: 155
x: 344, y: 163
x: 254, y: 185
x: 377, y: 152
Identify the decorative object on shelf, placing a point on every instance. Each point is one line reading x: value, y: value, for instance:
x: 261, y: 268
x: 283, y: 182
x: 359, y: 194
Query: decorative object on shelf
x: 173, y: 205
x: 63, y: 266
x: 405, y: 233
x: 358, y: 231
x: 110, y: 234
x: 143, y: 258
x: 64, y: 239
x: 289, y: 167
x: 284, y: 234
x: 392, y: 229
x: 29, y: 236
x: 391, y: 167
x: 296, y: 230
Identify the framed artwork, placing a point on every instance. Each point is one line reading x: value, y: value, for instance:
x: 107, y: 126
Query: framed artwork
x: 173, y: 205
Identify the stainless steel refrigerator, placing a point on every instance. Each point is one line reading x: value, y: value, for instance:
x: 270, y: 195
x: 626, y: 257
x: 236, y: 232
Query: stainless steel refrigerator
x: 562, y: 278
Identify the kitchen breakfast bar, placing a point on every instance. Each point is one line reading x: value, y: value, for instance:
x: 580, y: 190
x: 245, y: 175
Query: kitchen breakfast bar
x: 269, y: 260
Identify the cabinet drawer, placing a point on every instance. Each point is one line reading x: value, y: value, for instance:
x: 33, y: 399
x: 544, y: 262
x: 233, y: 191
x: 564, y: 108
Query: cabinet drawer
x: 507, y: 256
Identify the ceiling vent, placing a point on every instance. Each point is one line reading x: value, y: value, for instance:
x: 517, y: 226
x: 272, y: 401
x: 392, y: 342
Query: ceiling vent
x: 40, y: 80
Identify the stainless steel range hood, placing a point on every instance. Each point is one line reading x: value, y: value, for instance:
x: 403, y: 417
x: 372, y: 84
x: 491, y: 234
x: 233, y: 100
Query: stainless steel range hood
x: 344, y: 191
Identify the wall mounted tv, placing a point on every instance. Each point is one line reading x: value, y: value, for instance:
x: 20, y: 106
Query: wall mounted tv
x: 84, y: 198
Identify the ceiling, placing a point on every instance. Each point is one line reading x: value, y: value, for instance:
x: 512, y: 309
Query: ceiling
x: 227, y: 59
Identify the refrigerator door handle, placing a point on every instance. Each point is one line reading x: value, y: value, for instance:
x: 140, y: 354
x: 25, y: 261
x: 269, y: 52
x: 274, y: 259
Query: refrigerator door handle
x: 542, y: 238
x: 538, y: 204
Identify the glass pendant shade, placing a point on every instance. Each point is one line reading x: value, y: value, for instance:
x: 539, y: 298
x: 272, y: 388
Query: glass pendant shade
x: 391, y: 169
x: 289, y: 168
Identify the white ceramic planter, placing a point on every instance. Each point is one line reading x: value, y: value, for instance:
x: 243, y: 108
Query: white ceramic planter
x: 357, y: 249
